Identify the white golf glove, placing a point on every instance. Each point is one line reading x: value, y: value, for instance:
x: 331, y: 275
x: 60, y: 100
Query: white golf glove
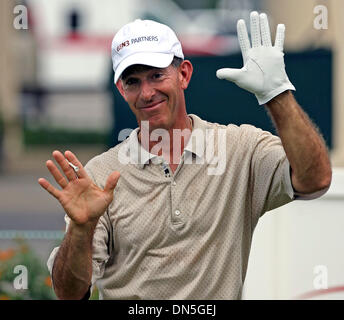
x: 263, y: 72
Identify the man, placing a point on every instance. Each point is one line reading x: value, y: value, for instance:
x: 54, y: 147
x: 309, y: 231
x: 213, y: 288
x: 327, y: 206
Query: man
x: 152, y: 218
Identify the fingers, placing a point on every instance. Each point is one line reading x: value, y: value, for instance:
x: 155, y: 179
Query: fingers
x: 111, y: 182
x: 63, y: 163
x: 229, y: 74
x: 47, y: 186
x: 265, y: 30
x: 66, y: 168
x: 260, y: 30
x: 59, y: 178
x: 70, y: 156
x: 280, y: 34
x: 244, y: 41
x: 255, y: 29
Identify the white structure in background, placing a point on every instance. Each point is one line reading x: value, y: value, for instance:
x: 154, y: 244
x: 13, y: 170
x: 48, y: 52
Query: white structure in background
x: 299, y: 246
x: 68, y: 64
x: 65, y: 64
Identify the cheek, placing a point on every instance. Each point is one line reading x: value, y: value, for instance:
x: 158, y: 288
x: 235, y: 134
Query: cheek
x: 130, y: 99
x: 175, y: 96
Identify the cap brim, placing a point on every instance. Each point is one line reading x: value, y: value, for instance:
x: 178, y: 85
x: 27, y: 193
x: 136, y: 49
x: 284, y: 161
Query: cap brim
x: 158, y: 60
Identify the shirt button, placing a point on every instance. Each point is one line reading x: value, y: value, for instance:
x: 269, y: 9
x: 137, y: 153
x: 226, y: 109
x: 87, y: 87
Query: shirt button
x: 177, y: 212
x: 174, y: 183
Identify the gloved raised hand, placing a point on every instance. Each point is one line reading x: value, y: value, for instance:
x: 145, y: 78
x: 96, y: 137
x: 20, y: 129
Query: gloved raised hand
x: 263, y: 72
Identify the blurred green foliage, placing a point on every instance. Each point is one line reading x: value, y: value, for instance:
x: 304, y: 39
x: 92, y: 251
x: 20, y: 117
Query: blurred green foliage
x: 38, y: 278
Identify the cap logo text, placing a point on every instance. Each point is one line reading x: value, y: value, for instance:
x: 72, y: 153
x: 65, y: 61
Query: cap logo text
x: 122, y: 45
x: 140, y: 39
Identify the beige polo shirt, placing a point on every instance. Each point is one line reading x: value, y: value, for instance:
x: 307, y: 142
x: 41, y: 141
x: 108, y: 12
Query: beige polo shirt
x: 186, y: 235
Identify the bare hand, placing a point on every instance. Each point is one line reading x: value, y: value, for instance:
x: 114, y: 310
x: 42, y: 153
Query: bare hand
x: 82, y: 200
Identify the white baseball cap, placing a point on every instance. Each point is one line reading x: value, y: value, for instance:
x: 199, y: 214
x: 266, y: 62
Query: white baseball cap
x: 144, y: 42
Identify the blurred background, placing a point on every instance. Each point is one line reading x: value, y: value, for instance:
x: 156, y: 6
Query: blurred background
x: 57, y: 92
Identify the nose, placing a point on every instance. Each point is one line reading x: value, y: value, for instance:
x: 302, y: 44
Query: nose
x: 147, y: 91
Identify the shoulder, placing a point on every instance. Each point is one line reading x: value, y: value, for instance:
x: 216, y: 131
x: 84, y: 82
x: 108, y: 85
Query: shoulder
x: 244, y: 133
x: 243, y: 128
x: 244, y: 141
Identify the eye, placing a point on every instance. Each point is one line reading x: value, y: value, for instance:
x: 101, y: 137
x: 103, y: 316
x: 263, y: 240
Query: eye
x: 157, y: 75
x: 131, y: 81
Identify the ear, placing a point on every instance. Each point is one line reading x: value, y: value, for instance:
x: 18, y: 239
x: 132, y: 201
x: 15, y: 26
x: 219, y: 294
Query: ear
x: 119, y: 86
x: 185, y: 73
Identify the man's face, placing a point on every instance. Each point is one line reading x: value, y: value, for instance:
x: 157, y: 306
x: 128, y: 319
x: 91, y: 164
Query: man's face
x: 156, y: 94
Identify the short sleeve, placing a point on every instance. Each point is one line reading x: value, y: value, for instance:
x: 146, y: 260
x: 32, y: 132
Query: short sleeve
x: 270, y: 175
x: 309, y: 196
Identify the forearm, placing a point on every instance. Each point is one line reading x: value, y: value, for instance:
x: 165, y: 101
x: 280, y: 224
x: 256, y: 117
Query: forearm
x: 72, y: 270
x: 304, y: 146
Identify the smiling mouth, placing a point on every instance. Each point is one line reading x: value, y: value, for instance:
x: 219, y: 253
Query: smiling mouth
x: 151, y: 106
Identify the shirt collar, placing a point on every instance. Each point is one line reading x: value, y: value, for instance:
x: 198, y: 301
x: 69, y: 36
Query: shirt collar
x: 196, y: 144
x: 137, y: 153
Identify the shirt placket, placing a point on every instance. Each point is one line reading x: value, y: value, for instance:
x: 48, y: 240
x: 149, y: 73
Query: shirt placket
x: 177, y: 215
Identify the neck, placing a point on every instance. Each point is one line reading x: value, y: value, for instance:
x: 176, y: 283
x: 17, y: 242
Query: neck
x: 168, y: 143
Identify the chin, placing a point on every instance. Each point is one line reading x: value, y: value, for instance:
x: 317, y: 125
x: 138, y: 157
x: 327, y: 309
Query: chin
x: 158, y: 123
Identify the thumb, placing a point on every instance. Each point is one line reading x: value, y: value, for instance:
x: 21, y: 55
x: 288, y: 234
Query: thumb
x: 229, y: 74
x: 111, y: 182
